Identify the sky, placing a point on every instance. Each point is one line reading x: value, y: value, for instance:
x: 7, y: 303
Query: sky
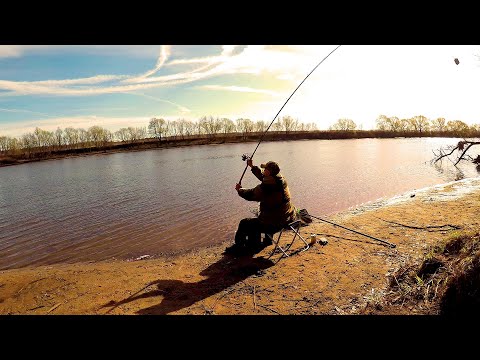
x: 115, y: 86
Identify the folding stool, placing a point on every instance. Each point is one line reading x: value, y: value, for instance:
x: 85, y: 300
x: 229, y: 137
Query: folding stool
x: 293, y: 226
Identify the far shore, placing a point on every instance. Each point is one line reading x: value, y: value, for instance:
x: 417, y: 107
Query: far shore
x: 346, y: 276
x: 42, y: 154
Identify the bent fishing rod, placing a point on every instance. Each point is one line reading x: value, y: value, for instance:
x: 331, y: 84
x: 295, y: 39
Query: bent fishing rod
x: 357, y: 232
x: 245, y: 157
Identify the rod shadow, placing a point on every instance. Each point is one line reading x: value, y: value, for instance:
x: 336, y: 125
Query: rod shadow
x: 176, y: 294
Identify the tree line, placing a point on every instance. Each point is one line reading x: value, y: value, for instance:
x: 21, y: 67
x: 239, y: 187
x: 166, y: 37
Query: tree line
x: 416, y: 124
x: 209, y: 127
x: 158, y: 128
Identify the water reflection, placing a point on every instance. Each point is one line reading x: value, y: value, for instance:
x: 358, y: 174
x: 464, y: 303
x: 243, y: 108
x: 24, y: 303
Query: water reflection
x: 449, y: 171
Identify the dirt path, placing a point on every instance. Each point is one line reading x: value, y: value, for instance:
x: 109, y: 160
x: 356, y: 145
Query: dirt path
x: 341, y: 277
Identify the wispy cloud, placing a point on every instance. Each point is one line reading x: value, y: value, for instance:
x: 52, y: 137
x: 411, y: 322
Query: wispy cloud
x: 97, y: 79
x: 23, y: 111
x: 164, y: 53
x: 103, y: 109
x: 352, y: 83
x: 239, y: 89
x: 183, y: 109
x: 111, y: 50
x: 70, y: 86
x: 253, y: 59
x: 112, y: 123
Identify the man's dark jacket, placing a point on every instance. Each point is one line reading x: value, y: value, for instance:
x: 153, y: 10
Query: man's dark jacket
x: 273, y: 194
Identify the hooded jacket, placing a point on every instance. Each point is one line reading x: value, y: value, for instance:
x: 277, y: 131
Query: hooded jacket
x: 273, y: 194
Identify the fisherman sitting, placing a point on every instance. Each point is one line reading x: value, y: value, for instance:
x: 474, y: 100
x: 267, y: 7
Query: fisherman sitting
x: 275, y: 211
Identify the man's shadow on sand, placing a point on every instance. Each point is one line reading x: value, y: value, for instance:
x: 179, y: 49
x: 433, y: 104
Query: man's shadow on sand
x: 177, y: 294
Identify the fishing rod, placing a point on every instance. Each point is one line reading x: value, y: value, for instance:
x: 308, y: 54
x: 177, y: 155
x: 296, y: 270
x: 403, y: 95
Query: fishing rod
x: 357, y: 232
x: 244, y: 156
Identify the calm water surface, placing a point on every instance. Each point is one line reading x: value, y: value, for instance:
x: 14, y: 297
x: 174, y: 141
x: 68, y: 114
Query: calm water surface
x: 125, y: 205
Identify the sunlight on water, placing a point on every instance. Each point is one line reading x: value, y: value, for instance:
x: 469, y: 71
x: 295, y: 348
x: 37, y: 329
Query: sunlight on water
x: 127, y: 205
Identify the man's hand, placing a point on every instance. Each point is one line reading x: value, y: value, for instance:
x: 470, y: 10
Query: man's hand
x: 238, y: 187
x: 250, y: 162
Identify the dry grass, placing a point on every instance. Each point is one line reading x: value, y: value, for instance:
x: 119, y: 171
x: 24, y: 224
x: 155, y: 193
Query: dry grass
x: 445, y: 282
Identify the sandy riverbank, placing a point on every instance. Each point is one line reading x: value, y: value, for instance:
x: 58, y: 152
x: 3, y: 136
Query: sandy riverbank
x: 338, y: 278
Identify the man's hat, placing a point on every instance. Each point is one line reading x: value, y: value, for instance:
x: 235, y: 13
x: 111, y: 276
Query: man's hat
x: 272, y: 166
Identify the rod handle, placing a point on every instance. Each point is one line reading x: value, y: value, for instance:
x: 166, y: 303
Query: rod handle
x: 244, y: 170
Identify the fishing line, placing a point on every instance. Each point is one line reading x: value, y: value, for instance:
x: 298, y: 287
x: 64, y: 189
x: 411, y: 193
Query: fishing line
x: 245, y: 157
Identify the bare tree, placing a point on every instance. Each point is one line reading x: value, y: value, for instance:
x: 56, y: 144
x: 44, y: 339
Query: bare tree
x: 260, y: 126
x: 83, y: 137
x: 181, y: 127
x: 344, y: 125
x: 72, y: 137
x: 228, y: 126
x: 438, y: 124
x: 122, y: 134
x: 419, y: 123
x: 43, y: 137
x: 245, y: 126
x: 287, y: 124
x: 13, y: 145
x: 277, y: 125
x: 381, y: 122
x: 189, y: 127
x: 248, y: 126
x: 28, y: 142
x: 207, y: 124
x: 59, y: 137
x: 172, y: 128
x: 4, y: 140
x: 403, y: 126
x: 136, y: 133
x: 394, y: 123
x: 156, y: 128
x: 458, y: 127
x: 198, y: 127
x: 98, y: 135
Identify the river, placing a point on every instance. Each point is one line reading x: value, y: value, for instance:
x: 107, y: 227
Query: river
x: 153, y: 202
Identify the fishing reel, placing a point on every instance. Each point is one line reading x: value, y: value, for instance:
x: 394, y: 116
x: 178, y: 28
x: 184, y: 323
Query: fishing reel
x: 245, y: 157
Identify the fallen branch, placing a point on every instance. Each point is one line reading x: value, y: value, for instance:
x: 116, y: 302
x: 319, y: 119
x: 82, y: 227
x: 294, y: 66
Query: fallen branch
x: 470, y: 144
x: 462, y: 146
x: 442, y: 154
x: 54, y: 307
